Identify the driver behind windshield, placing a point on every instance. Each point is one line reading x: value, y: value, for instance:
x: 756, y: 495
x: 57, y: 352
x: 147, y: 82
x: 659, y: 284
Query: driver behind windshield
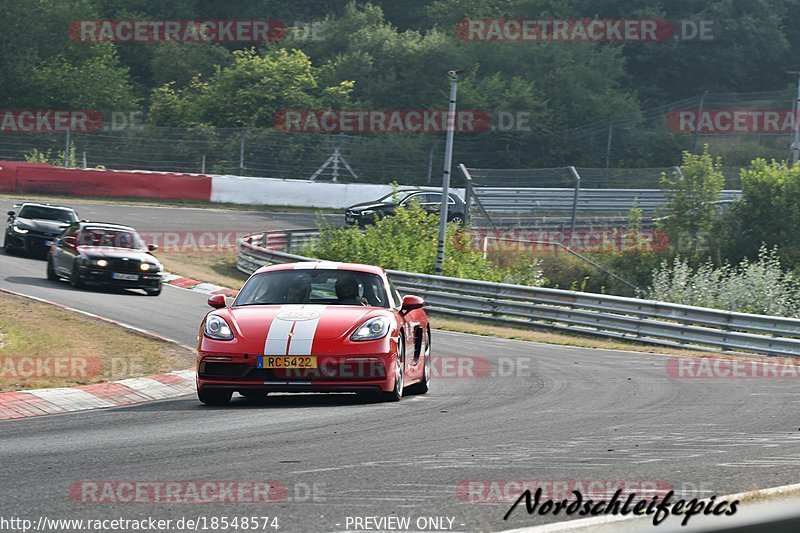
x: 347, y: 291
x: 297, y: 293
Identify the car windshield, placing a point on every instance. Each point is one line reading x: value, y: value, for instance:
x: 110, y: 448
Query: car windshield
x: 113, y: 238
x: 47, y: 213
x: 307, y: 286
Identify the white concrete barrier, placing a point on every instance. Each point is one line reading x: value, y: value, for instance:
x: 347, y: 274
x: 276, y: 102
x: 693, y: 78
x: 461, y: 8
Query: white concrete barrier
x: 296, y: 193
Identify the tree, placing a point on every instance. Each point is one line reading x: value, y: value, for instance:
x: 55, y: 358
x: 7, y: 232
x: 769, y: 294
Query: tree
x: 247, y: 93
x: 692, y: 192
x: 768, y: 212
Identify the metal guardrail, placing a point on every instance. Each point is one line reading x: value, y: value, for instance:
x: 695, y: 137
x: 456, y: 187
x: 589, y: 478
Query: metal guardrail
x: 647, y: 321
x: 532, y: 200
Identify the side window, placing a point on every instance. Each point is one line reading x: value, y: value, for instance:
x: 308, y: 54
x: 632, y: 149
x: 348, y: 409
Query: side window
x: 417, y: 197
x: 433, y: 199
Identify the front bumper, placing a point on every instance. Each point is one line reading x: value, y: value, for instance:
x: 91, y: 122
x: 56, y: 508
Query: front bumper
x: 31, y: 243
x: 335, y: 373
x: 104, y: 277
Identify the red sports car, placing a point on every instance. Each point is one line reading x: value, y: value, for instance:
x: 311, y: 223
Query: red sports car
x: 314, y: 327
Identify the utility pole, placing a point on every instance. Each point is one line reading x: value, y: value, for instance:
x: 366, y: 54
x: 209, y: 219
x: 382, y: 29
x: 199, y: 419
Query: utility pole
x: 448, y: 163
x: 795, y: 124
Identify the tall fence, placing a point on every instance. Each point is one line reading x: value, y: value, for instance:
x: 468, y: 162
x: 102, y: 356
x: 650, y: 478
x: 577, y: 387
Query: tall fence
x: 645, y: 138
x: 647, y: 321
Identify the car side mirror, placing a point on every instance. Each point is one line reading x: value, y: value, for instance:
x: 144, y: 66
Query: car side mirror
x: 152, y: 247
x: 11, y: 213
x: 217, y: 301
x: 411, y: 302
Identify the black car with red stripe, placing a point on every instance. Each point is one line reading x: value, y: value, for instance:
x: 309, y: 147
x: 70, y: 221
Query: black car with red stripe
x: 112, y: 255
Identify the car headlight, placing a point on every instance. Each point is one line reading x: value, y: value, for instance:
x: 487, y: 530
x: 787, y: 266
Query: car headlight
x: 99, y: 262
x: 18, y: 229
x: 372, y: 329
x: 146, y: 266
x: 367, y: 213
x: 217, y: 328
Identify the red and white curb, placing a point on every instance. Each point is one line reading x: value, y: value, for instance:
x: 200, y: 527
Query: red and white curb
x: 37, y: 402
x: 131, y: 391
x: 197, y: 286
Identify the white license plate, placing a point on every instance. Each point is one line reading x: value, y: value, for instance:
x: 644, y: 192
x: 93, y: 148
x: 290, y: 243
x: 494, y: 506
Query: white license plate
x: 349, y: 218
x: 125, y: 277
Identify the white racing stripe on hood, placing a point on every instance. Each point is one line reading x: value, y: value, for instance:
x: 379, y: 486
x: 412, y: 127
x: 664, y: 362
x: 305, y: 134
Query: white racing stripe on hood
x: 321, y: 265
x: 304, y: 330
x: 278, y: 335
x: 293, y: 337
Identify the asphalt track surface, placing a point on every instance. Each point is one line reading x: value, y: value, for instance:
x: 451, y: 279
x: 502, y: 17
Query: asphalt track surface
x: 551, y: 413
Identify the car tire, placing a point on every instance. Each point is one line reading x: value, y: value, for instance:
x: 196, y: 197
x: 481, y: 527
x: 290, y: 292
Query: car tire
x: 396, y: 394
x: 214, y: 396
x: 51, y: 273
x: 7, y: 247
x: 153, y: 292
x: 74, y: 279
x: 423, y: 386
x: 457, y: 220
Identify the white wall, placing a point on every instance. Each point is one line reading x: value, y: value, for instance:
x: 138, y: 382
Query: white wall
x: 271, y: 191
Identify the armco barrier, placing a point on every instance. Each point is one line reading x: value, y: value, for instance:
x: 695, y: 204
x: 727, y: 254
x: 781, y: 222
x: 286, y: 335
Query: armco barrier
x: 47, y: 179
x: 646, y: 321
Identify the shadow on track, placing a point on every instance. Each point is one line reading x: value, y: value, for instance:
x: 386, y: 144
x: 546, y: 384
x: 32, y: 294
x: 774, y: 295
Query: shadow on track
x: 273, y: 401
x: 63, y: 285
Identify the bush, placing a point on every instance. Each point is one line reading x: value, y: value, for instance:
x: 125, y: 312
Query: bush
x: 760, y: 287
x: 408, y: 241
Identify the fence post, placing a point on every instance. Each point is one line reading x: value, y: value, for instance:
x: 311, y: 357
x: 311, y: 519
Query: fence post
x: 430, y: 161
x: 66, y: 151
x: 241, y: 152
x: 575, y: 198
x: 203, y: 164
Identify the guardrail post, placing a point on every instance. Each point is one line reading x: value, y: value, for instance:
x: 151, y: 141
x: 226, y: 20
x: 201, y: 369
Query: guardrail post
x: 577, y: 176
x: 288, y: 246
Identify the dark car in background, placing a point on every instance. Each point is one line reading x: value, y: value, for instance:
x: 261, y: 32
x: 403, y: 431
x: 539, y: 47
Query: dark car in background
x: 111, y: 255
x: 431, y: 201
x: 34, y: 227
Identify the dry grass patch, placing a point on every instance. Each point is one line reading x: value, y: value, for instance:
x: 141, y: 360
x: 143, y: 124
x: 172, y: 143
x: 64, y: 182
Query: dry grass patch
x: 43, y: 346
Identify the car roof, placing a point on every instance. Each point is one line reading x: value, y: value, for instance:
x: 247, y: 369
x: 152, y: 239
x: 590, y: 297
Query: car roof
x: 106, y: 225
x: 427, y: 189
x: 324, y: 265
x: 37, y: 204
